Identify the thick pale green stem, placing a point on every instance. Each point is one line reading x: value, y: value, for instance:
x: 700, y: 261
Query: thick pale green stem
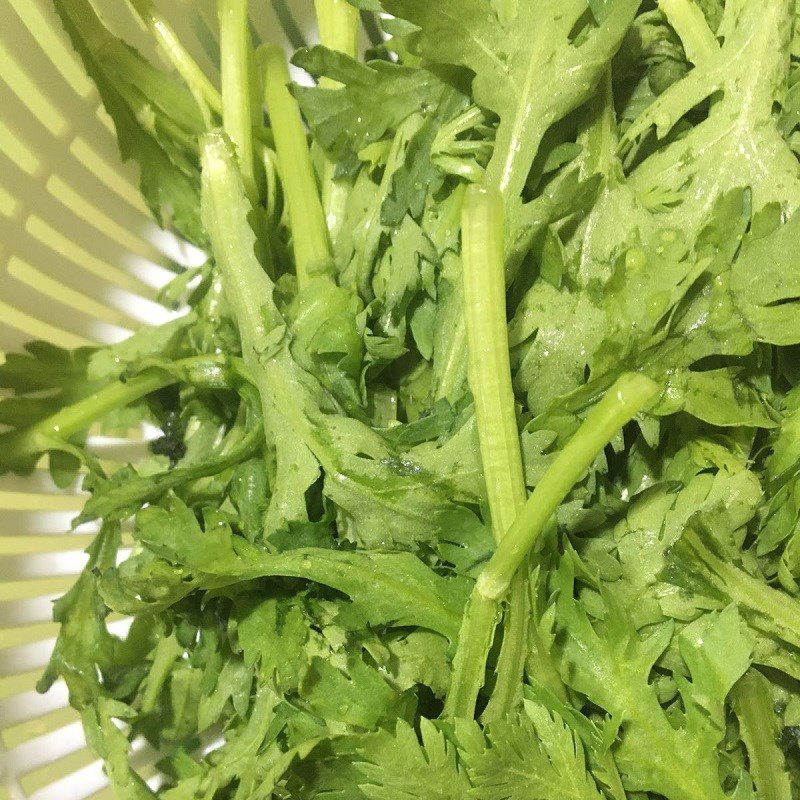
x: 63, y: 424
x: 629, y: 395
x: 242, y: 114
x: 309, y: 231
x: 489, y: 366
x: 178, y: 55
x: 339, y: 24
x: 689, y: 22
x: 489, y: 372
x: 626, y: 398
x: 249, y: 292
x: 237, y: 94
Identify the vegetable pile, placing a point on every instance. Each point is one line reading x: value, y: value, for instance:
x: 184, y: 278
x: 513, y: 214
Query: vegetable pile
x: 477, y: 471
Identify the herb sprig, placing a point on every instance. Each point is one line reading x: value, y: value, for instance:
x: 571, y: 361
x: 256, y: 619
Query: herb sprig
x: 476, y: 473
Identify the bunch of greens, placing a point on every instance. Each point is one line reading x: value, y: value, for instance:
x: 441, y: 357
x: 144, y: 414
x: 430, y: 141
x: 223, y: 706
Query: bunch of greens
x: 479, y: 465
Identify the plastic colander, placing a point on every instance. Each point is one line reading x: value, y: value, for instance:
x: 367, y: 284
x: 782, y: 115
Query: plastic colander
x: 81, y: 262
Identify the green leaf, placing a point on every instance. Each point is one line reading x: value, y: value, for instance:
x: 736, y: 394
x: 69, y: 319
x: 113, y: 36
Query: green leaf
x: 432, y: 761
x: 526, y: 70
x: 390, y: 588
x: 611, y: 666
x: 419, y: 176
x: 765, y: 283
x: 721, y: 398
x: 729, y: 149
x: 146, y: 133
x: 112, y: 745
x: 272, y: 635
x: 42, y: 381
x: 84, y: 646
x: 717, y: 649
x: 109, y: 363
x: 310, y: 520
x: 124, y: 494
x: 754, y: 707
x: 358, y: 696
x: 377, y: 97
x: 698, y: 564
x: 421, y: 658
x: 233, y: 684
x: 534, y: 755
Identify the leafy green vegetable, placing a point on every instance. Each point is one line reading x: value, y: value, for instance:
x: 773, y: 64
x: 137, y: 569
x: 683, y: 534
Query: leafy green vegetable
x: 473, y: 454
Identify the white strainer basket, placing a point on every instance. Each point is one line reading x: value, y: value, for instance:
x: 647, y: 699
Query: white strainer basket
x: 80, y: 262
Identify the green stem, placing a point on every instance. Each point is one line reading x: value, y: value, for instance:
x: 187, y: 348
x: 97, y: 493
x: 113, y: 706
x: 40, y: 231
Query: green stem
x: 510, y: 669
x: 489, y: 372
x: 237, y: 80
x: 753, y: 704
x: 600, y: 138
x: 446, y: 135
x: 469, y: 663
x: 72, y: 419
x: 335, y: 193
x: 65, y: 423
x: 621, y: 403
x: 140, y: 105
x: 489, y: 366
x: 469, y: 171
x: 248, y: 288
x: 689, y: 22
x: 272, y: 200
x: 178, y: 55
x: 626, y: 398
x: 338, y: 23
x: 309, y: 230
x: 240, y: 444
